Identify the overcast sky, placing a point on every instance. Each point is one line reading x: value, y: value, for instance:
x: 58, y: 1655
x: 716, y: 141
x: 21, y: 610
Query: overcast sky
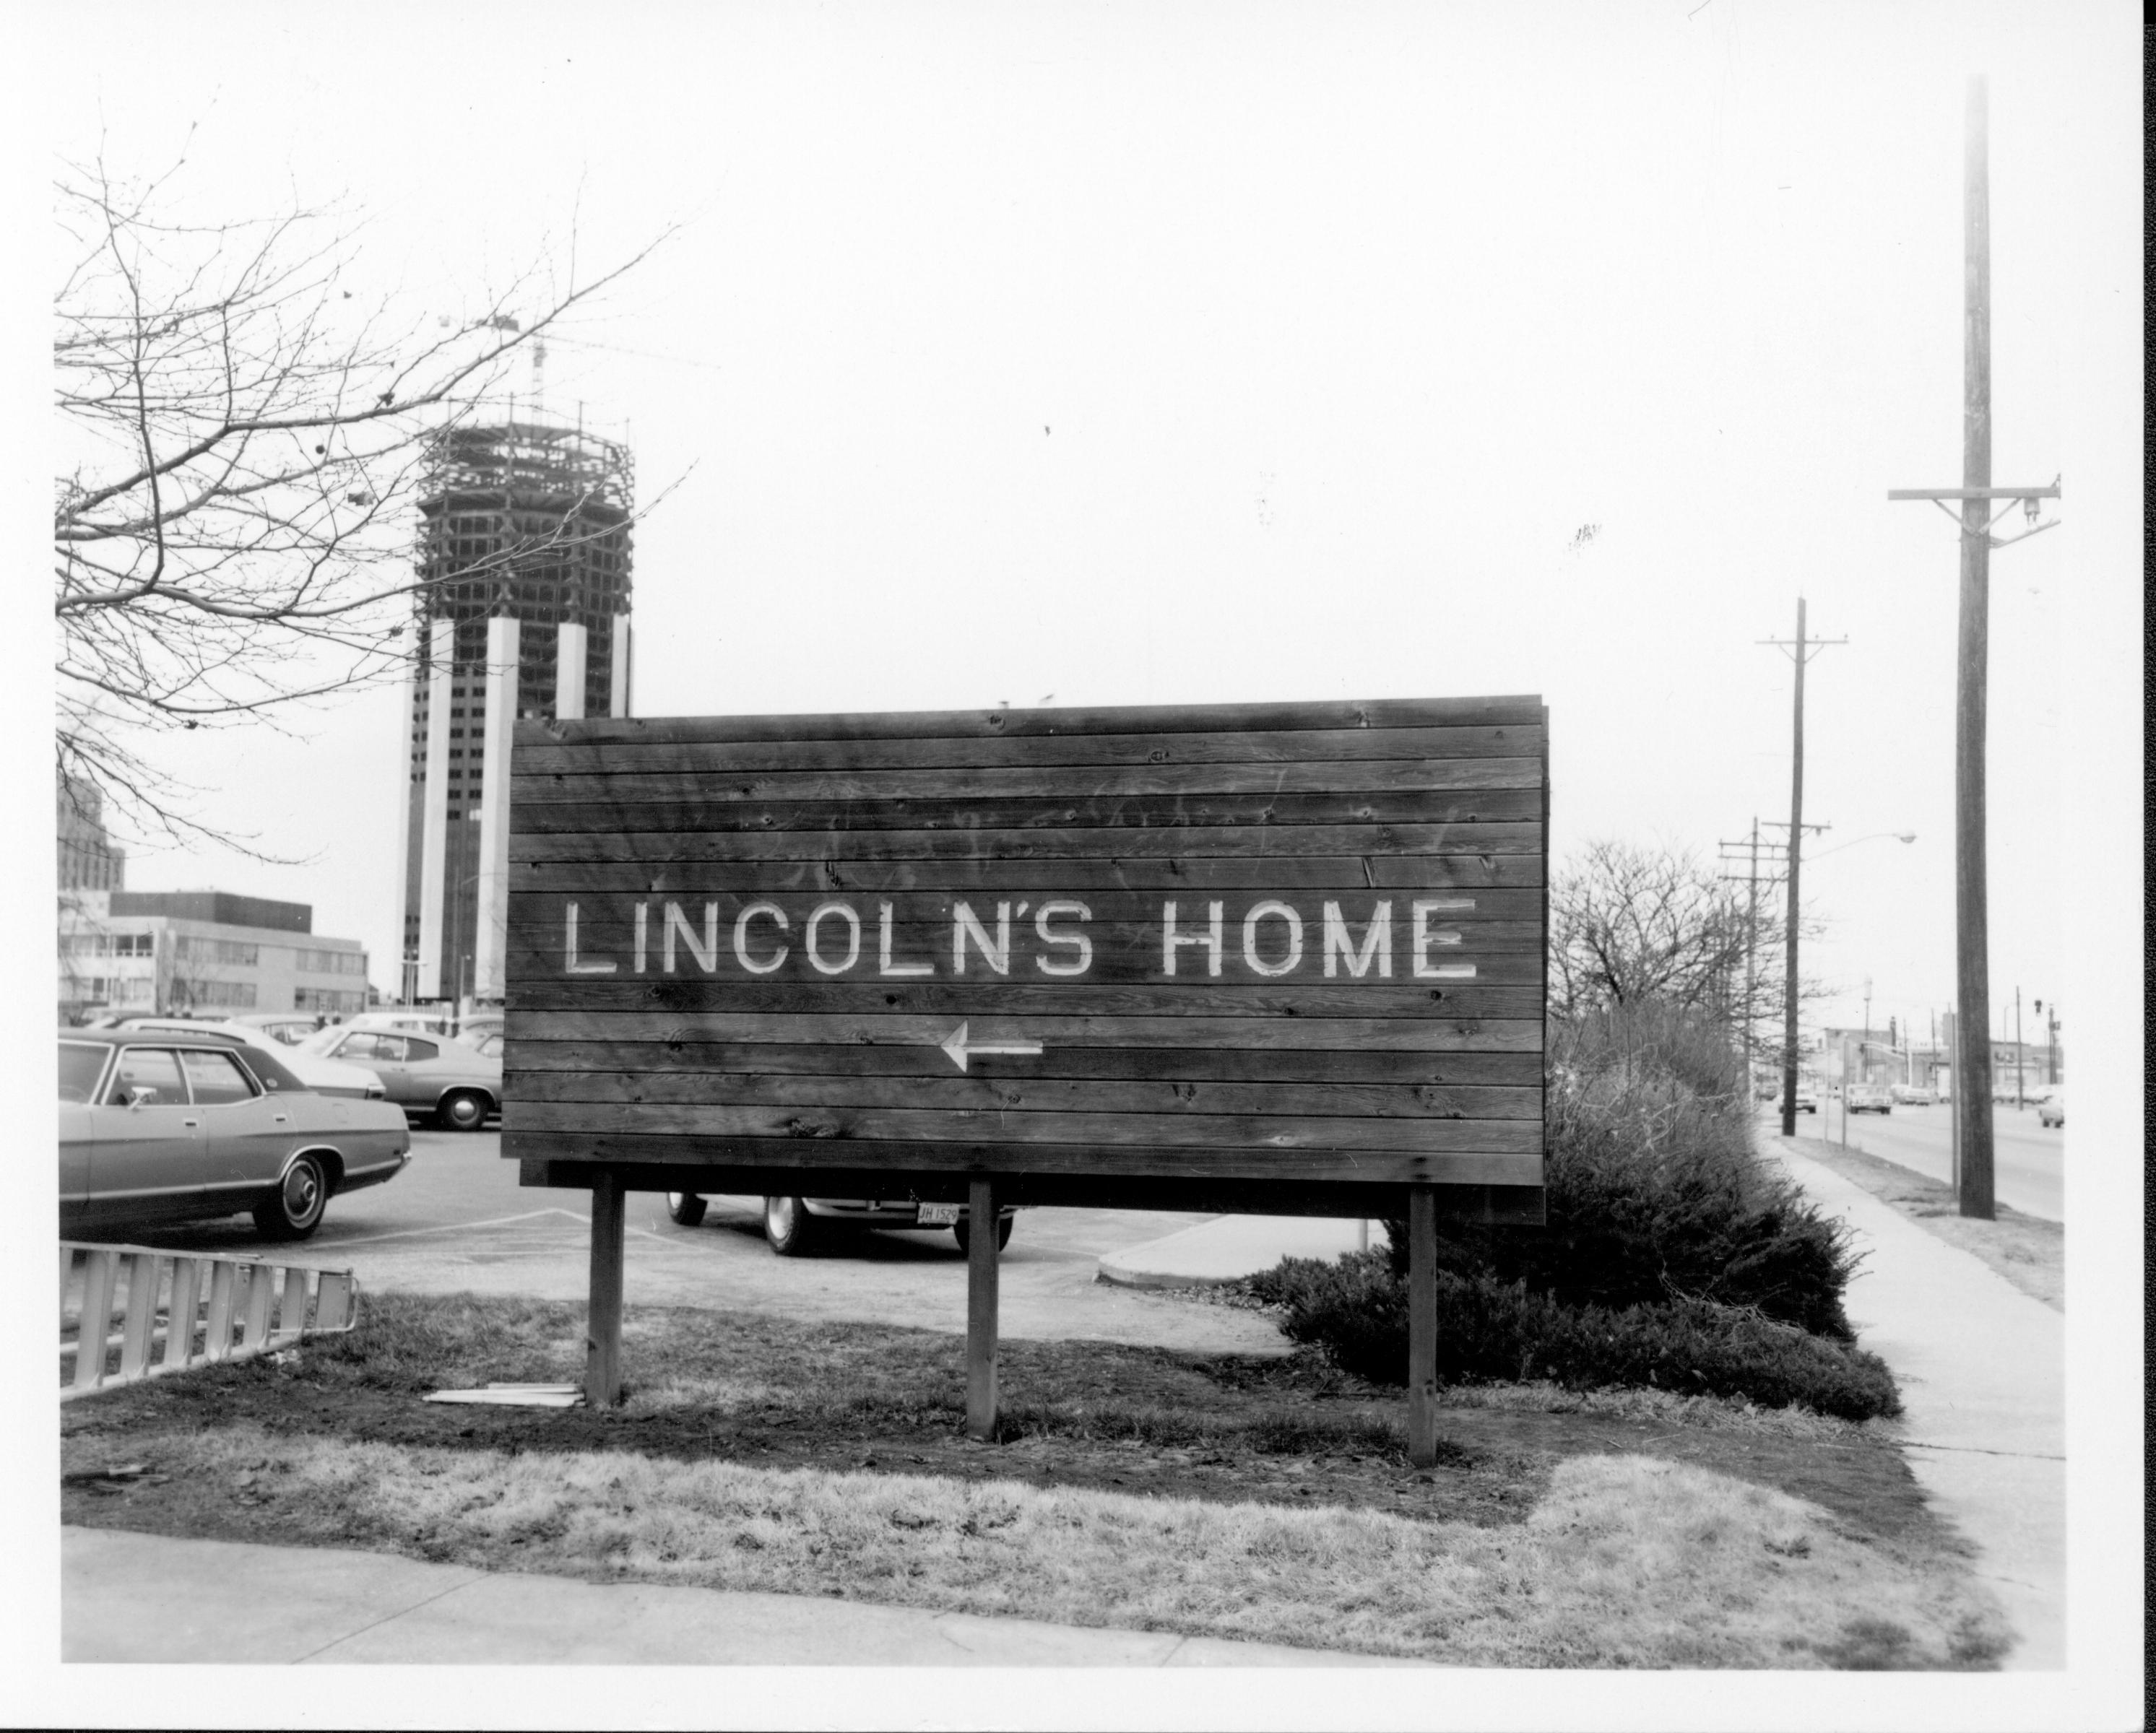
x: 1277, y: 353
x: 1146, y: 355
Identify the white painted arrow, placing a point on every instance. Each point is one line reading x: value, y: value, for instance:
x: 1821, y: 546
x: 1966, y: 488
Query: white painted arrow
x: 958, y: 1046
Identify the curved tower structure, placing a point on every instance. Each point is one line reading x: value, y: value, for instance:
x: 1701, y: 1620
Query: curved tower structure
x: 522, y: 610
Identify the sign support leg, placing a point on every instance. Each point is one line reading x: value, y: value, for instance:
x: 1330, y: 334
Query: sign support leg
x: 1422, y: 1326
x: 981, y: 1273
x: 602, y: 1330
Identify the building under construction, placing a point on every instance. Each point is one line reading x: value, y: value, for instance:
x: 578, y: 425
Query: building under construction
x: 523, y: 610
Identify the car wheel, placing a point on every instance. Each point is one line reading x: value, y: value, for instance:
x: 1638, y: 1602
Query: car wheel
x: 296, y: 1209
x: 686, y: 1207
x: 787, y: 1226
x: 959, y: 1232
x: 462, y: 1110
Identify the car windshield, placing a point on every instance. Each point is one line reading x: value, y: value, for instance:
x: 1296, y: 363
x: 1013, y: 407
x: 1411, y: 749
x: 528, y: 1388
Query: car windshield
x: 80, y: 1064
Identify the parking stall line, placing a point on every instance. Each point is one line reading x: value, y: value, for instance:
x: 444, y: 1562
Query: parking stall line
x: 532, y: 1215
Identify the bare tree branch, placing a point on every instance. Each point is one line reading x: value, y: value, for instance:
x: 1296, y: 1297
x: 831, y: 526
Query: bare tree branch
x: 246, y: 437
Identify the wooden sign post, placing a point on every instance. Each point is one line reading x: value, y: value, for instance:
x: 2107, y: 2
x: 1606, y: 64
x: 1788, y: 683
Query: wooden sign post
x: 1281, y: 959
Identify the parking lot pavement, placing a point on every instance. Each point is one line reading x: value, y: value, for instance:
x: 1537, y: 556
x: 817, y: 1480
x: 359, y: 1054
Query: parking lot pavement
x: 456, y: 1220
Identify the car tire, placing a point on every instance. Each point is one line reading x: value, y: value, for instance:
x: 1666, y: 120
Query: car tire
x: 687, y: 1208
x: 462, y: 1110
x: 960, y: 1232
x: 788, y: 1228
x: 295, y: 1210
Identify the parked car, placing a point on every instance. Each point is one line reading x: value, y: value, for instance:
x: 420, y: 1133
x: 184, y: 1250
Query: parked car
x: 1807, y: 1098
x: 1910, y: 1094
x: 2051, y: 1111
x: 429, y: 1076
x: 1871, y: 1098
x: 423, y: 1019
x: 794, y: 1225
x: 475, y: 1029
x: 288, y: 1027
x: 157, y: 1127
x: 325, y: 1077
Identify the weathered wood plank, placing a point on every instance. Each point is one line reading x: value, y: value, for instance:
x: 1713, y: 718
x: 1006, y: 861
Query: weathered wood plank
x: 1013, y: 724
x: 1161, y: 784
x: 535, y: 1057
x: 684, y: 810
x: 981, y: 1284
x: 1422, y: 1327
x: 903, y: 1124
x: 1134, y: 842
x: 1125, y: 954
x: 1517, y: 874
x: 904, y: 1161
x: 980, y: 1092
x: 1507, y: 1205
x: 608, y: 919
x: 603, y: 1303
x: 1249, y: 746
x: 1423, y: 1001
x: 1420, y: 1035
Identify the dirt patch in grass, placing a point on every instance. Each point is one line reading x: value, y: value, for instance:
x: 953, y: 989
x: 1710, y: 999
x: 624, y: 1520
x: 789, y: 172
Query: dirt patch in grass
x: 739, y: 1456
x: 2028, y: 1251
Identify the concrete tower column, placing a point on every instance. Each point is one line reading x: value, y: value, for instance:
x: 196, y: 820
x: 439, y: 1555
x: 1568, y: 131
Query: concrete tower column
x: 569, y: 672
x: 490, y: 952
x: 434, y: 831
x: 407, y: 692
x: 619, y: 684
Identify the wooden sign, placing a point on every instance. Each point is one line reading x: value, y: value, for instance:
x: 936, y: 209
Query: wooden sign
x: 1264, y: 958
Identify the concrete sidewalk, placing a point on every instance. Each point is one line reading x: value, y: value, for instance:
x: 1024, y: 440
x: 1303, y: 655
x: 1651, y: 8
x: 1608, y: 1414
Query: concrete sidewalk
x: 272, y: 1605
x: 1982, y: 1368
x: 1231, y: 1247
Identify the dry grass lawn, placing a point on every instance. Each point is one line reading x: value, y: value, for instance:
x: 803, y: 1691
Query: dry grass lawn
x: 1256, y: 1500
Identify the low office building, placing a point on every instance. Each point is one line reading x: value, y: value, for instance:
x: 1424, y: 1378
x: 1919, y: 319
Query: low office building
x: 204, y: 953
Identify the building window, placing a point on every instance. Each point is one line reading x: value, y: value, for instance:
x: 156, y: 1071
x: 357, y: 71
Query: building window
x: 227, y: 995
x: 328, y: 998
x: 230, y: 951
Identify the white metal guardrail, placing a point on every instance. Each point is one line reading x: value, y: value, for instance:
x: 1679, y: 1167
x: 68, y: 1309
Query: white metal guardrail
x: 186, y: 1310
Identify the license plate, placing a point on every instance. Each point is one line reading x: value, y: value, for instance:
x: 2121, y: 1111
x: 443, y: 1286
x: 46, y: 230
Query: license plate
x: 939, y: 1215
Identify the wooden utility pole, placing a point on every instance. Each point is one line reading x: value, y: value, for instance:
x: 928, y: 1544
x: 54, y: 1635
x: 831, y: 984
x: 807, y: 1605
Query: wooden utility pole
x: 1801, y: 651
x: 1972, y: 904
x: 1976, y: 497
x: 1796, y: 858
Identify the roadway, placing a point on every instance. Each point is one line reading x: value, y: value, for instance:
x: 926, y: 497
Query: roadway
x: 2028, y: 1159
x: 456, y: 1221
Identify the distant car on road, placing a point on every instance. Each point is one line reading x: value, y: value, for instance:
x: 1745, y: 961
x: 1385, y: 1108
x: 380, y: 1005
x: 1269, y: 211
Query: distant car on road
x: 1806, y: 1100
x: 1870, y: 1098
x: 429, y: 1076
x: 2051, y: 1111
x: 1911, y: 1094
x: 157, y: 1127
